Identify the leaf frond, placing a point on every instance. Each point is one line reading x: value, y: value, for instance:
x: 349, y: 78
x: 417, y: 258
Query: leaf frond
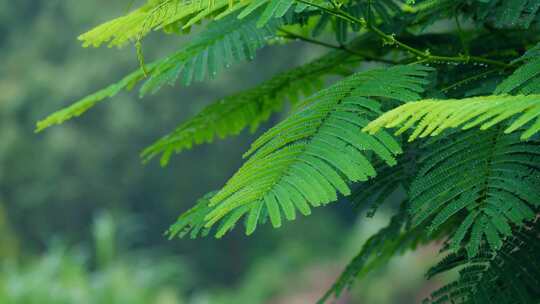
x: 223, y: 43
x: 432, y: 117
x: 388, y: 242
x: 525, y: 79
x: 230, y: 115
x: 308, y: 158
x: 495, y: 276
x: 484, y: 178
x: 173, y: 15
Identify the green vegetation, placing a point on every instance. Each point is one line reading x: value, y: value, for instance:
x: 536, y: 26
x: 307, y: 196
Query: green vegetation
x: 62, y: 276
x: 429, y: 105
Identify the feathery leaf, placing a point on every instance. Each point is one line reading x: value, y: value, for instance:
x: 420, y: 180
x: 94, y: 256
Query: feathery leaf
x: 432, y: 117
x: 524, y: 80
x: 377, y: 251
x: 305, y: 160
x: 232, y: 114
x: 484, y: 177
x: 223, y: 42
x: 507, y: 276
x: 180, y: 14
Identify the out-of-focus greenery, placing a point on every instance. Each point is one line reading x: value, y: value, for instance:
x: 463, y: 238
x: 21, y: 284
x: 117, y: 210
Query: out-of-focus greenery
x: 52, y: 184
x: 63, y: 276
x: 292, y: 273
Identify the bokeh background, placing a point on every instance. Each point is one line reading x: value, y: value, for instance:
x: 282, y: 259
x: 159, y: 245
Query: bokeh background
x: 82, y: 219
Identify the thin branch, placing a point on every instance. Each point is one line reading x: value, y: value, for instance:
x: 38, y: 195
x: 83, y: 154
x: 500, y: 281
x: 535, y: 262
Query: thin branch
x: 292, y: 35
x: 468, y: 79
x: 390, y: 39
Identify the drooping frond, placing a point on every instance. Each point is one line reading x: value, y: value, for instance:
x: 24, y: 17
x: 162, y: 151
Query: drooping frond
x: 232, y: 114
x: 81, y: 106
x: 388, y: 242
x: 389, y: 180
x: 526, y: 79
x: 432, y: 117
x: 192, y: 221
x: 308, y: 158
x: 223, y: 42
x: 485, y: 178
x: 382, y: 10
x: 175, y: 14
x: 153, y: 15
x: 507, y: 276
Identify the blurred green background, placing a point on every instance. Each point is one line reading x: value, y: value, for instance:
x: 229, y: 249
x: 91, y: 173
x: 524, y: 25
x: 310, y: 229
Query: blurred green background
x: 82, y: 219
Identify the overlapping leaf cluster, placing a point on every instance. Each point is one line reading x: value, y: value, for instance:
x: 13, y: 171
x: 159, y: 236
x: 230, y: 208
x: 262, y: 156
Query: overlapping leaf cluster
x: 467, y: 98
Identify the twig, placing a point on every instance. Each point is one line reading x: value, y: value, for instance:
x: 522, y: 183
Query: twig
x: 390, y: 39
x: 292, y: 35
x: 463, y: 81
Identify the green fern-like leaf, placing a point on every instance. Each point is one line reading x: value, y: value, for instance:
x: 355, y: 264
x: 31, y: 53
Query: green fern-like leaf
x: 175, y: 14
x: 389, y: 179
x: 507, y: 276
x: 192, y: 221
x: 432, y: 117
x: 526, y: 79
x: 232, y: 114
x: 81, y: 106
x: 221, y: 44
x: 384, y: 10
x: 308, y: 158
x: 377, y: 251
x: 135, y: 25
x: 485, y: 178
